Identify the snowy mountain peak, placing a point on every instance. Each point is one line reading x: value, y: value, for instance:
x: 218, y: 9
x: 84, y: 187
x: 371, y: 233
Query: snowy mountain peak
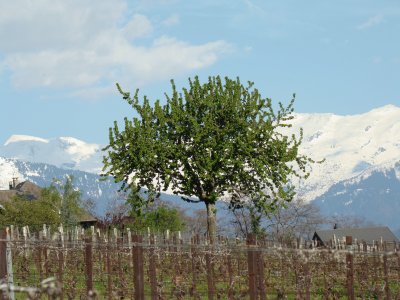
x: 391, y: 108
x: 71, y: 140
x: 64, y: 152
x: 24, y: 138
x: 8, y: 170
x: 349, y: 144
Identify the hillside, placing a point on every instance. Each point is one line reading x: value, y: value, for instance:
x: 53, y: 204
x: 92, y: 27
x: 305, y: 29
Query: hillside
x: 360, y: 175
x: 101, y: 192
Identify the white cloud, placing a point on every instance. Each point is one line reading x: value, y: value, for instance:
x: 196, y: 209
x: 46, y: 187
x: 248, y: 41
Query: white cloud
x: 75, y: 44
x: 371, y: 22
x: 138, y: 26
x: 171, y: 20
x: 29, y: 26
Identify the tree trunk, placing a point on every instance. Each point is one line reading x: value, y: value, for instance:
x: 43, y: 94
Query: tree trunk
x: 211, y: 222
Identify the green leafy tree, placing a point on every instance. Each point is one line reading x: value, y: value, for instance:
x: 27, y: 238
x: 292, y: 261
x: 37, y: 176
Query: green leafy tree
x: 210, y: 140
x: 59, y: 203
x: 68, y: 202
x: 159, y: 219
x: 158, y: 215
x: 35, y: 213
x: 164, y: 218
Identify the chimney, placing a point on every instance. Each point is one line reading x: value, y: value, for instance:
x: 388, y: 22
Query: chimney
x: 14, y: 182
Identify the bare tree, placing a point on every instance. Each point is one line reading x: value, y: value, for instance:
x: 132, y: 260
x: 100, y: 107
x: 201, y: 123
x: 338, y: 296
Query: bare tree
x: 295, y: 219
x: 116, y: 210
x: 298, y: 218
x: 348, y: 221
x: 196, y: 223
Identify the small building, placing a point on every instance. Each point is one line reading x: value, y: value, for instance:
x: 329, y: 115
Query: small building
x: 86, y: 220
x: 25, y: 189
x: 368, y: 235
x: 30, y: 191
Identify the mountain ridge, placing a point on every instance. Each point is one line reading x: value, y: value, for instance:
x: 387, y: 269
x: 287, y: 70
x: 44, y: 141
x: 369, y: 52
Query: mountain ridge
x: 356, y: 148
x: 350, y: 144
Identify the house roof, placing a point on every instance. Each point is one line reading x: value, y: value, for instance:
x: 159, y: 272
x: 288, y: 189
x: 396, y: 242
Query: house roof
x: 30, y: 188
x: 86, y: 217
x: 26, y: 189
x: 7, y: 195
x: 367, y: 234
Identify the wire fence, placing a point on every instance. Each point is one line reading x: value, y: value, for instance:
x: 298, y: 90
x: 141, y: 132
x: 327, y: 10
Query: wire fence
x: 93, y: 264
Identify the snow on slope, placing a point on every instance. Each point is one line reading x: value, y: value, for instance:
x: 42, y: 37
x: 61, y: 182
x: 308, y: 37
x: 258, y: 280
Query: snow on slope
x: 64, y: 152
x: 101, y: 192
x: 350, y: 145
x: 372, y: 195
x: 8, y: 170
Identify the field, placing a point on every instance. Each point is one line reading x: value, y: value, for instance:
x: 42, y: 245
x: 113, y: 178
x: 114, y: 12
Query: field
x: 121, y: 265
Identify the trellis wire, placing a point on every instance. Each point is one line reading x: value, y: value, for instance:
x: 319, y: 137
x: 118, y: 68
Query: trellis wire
x: 125, y: 265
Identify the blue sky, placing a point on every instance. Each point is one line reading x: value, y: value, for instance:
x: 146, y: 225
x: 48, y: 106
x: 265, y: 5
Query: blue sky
x: 60, y: 60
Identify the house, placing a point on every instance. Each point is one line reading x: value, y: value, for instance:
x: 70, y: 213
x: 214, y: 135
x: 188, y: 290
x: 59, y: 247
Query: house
x: 86, y: 220
x: 30, y: 191
x: 368, y: 235
x: 25, y: 189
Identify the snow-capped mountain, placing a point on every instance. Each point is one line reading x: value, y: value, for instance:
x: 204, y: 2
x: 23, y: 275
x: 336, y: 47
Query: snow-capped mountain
x: 374, y: 194
x: 361, y: 167
x: 102, y: 193
x: 350, y: 145
x: 63, y: 152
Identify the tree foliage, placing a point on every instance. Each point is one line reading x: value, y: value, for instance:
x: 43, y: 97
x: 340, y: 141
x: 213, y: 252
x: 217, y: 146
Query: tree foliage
x: 159, y: 219
x: 58, y: 203
x: 35, y: 213
x: 67, y: 200
x: 209, y: 140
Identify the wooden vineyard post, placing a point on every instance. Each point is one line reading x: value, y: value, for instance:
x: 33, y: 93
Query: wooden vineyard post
x: 255, y: 262
x: 194, y: 250
x: 230, y: 271
x: 251, y: 263
x: 3, y: 258
x: 120, y: 242
x: 260, y: 271
x: 61, y: 265
x: 3, y: 249
x: 307, y: 273
x: 350, y: 270
x: 350, y: 276
x: 152, y: 269
x: 398, y: 273
x: 89, y: 265
x: 39, y: 257
x: 375, y: 275
x: 46, y: 259
x: 10, y: 275
x: 137, y: 256
x: 109, y: 270
x: 386, y: 274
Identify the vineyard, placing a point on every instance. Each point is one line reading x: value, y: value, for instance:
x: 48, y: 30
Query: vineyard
x: 93, y: 264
